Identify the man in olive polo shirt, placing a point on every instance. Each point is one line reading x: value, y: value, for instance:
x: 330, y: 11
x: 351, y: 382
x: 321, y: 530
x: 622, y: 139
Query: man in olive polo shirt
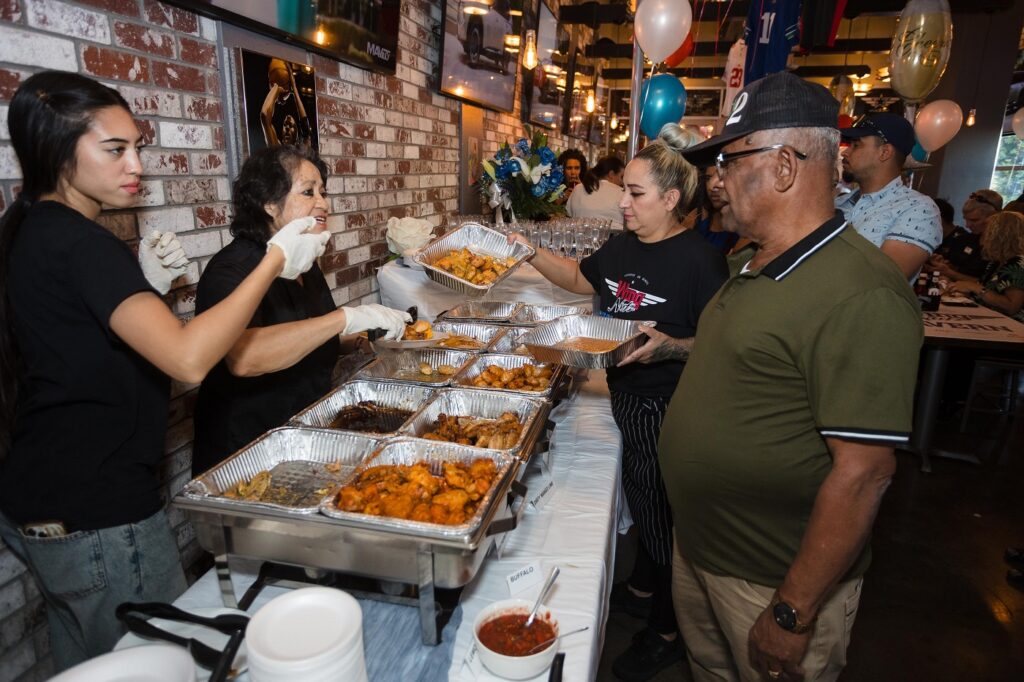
x: 778, y: 443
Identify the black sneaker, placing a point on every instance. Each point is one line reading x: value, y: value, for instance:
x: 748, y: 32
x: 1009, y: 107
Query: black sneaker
x: 624, y: 600
x: 648, y: 655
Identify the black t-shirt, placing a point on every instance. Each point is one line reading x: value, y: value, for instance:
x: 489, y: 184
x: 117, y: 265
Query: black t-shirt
x: 668, y: 282
x: 962, y: 248
x: 231, y: 411
x: 92, y: 413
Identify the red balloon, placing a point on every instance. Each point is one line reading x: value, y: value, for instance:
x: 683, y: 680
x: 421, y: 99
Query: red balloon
x: 845, y: 121
x: 684, y: 51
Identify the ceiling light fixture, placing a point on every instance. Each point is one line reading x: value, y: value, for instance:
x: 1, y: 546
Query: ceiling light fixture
x: 530, y: 60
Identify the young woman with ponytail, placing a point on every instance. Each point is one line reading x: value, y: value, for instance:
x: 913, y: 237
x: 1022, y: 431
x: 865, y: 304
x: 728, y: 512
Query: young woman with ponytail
x: 86, y: 349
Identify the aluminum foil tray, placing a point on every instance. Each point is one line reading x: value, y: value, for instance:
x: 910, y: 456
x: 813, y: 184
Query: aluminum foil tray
x: 494, y: 312
x: 542, y: 341
x: 477, y: 403
x: 538, y: 314
x: 409, y: 451
x: 297, y: 459
x: 404, y: 366
x: 479, y: 240
x: 389, y: 394
x: 486, y: 334
x: 510, y: 342
x: 465, y: 379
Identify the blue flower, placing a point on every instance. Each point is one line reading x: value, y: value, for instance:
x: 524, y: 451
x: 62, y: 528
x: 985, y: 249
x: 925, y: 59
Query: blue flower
x: 539, y: 189
x: 504, y: 153
x: 505, y: 169
x: 522, y: 148
x: 556, y: 175
x: 546, y: 155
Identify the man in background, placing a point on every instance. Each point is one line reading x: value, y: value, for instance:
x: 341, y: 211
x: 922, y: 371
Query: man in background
x: 959, y: 255
x: 904, y: 223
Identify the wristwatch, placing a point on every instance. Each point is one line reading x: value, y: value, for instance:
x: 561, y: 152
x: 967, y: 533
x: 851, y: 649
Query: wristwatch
x: 787, y: 618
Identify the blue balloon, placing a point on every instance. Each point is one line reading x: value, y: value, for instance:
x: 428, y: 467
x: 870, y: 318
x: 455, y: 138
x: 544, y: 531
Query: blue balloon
x: 918, y: 152
x: 662, y: 100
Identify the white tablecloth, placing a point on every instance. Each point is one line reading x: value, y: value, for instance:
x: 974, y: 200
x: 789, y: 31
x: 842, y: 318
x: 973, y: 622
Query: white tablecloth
x: 402, y: 287
x: 575, y: 529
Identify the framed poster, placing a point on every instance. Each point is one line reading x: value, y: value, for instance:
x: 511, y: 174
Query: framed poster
x: 360, y: 32
x: 278, y: 100
x: 480, y: 53
x: 703, y: 103
x: 545, y: 108
x: 581, y: 81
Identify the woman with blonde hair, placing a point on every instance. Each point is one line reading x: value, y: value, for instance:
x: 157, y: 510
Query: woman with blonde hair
x: 655, y: 270
x: 1002, y: 286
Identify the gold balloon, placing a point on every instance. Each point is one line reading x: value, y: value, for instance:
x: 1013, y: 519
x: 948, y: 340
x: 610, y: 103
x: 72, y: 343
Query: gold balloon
x: 920, y: 48
x: 841, y: 88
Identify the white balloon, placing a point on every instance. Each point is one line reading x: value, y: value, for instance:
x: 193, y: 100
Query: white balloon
x: 937, y: 123
x: 1018, y: 123
x: 659, y: 24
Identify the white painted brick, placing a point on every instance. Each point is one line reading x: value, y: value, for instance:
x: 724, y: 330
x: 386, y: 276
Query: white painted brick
x: 200, y: 244
x: 36, y: 49
x: 346, y: 240
x: 330, y: 146
x: 340, y: 296
x: 223, y: 189
x: 208, y: 28
x: 394, y: 118
x: 359, y: 255
x: 410, y: 91
x: 418, y: 137
x: 385, y: 134
x: 166, y: 220
x: 335, y: 185
x: 67, y: 20
x: 335, y: 223
x: 10, y: 169
x: 339, y: 89
x: 145, y: 102
x: 375, y: 150
x: 151, y: 193
x: 366, y: 167
x: 411, y: 152
x: 360, y: 288
x: 208, y: 163
x: 355, y: 185
x: 5, y: 134
x: 350, y: 74
x: 190, y: 135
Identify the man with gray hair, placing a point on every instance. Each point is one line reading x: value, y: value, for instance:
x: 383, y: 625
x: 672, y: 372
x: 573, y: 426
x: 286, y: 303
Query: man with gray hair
x: 778, y: 443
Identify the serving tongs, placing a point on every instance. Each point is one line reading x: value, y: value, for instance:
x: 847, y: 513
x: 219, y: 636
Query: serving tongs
x: 374, y: 334
x: 135, y: 617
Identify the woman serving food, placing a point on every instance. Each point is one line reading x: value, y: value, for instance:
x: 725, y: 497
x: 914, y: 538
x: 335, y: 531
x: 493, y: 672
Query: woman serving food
x: 86, y: 349
x: 283, y: 361
x: 658, y: 271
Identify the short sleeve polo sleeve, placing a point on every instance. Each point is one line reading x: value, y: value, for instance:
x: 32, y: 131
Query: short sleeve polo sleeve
x: 862, y: 366
x: 104, y: 272
x: 919, y: 224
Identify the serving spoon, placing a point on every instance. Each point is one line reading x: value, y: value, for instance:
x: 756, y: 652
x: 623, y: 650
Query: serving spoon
x: 546, y: 642
x: 543, y: 593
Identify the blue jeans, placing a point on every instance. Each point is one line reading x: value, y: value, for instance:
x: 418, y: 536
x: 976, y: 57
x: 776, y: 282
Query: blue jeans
x: 83, y: 577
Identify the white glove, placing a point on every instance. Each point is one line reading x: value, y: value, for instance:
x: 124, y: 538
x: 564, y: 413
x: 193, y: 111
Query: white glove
x: 162, y: 260
x: 299, y: 249
x: 376, y: 316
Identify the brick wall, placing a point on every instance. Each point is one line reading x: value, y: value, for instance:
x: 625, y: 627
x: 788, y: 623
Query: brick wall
x: 391, y: 142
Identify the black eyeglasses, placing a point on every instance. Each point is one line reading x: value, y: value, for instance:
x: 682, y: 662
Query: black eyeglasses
x: 985, y: 200
x: 722, y: 161
x: 868, y: 123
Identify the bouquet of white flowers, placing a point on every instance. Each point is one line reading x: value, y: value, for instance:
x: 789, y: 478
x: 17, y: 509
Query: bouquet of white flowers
x: 408, y: 234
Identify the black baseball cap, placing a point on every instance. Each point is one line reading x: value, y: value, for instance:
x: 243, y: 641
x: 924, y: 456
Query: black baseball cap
x: 891, y: 128
x: 779, y: 100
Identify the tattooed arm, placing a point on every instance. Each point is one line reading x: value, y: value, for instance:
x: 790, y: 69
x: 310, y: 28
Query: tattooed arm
x: 659, y: 347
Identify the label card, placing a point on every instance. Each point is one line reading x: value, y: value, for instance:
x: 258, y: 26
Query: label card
x: 524, y: 578
x: 471, y: 664
x: 542, y: 488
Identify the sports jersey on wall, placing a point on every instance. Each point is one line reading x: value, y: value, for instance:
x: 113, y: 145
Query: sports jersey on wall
x: 733, y: 76
x: 773, y: 28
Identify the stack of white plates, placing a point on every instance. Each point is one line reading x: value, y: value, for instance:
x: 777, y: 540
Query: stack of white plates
x: 313, y: 634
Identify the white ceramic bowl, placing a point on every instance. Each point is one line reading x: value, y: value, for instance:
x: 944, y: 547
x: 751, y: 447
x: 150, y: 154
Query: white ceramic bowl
x: 514, y: 667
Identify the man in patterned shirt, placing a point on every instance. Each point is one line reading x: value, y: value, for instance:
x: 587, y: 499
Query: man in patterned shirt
x: 904, y: 223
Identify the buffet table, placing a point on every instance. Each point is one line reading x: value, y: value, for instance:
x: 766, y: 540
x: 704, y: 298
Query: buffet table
x: 573, y: 526
x: 973, y: 327
x: 402, y: 286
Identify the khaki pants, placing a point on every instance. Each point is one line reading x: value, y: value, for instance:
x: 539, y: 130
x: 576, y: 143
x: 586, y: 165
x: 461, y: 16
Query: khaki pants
x: 716, y: 613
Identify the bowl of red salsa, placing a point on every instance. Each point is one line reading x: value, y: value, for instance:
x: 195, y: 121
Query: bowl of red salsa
x: 502, y: 642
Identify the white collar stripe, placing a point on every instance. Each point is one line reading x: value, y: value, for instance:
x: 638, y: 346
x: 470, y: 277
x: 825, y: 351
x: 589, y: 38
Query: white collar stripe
x: 809, y: 252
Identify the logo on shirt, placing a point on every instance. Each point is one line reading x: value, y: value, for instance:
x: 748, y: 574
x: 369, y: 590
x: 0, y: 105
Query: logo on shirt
x: 628, y: 299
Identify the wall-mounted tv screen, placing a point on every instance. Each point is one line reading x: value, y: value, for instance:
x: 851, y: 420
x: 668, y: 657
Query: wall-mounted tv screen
x: 360, y: 32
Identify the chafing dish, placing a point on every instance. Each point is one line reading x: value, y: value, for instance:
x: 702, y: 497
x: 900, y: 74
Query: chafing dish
x: 404, y: 366
x: 387, y: 394
x: 490, y: 312
x: 529, y: 315
x: 465, y: 378
x: 486, y: 334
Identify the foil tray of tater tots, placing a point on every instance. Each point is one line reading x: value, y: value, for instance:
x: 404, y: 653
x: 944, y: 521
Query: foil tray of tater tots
x: 487, y: 312
x: 515, y: 373
x: 430, y: 489
x: 472, y: 259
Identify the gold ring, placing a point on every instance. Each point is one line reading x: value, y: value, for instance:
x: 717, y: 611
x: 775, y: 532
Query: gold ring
x: 774, y: 674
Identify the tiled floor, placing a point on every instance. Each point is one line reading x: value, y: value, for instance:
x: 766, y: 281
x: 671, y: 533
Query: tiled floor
x: 936, y: 606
